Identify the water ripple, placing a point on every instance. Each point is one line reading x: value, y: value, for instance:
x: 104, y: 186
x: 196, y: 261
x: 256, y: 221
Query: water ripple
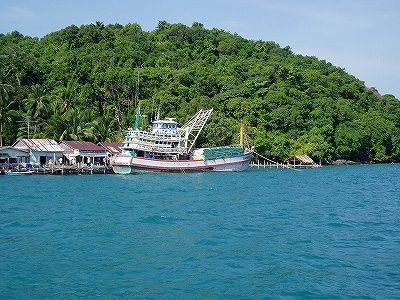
x: 323, y: 233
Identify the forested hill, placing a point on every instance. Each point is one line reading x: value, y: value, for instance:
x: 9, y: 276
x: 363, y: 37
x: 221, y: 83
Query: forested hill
x: 79, y: 83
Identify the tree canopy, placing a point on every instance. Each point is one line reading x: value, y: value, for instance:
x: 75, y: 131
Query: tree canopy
x: 80, y: 83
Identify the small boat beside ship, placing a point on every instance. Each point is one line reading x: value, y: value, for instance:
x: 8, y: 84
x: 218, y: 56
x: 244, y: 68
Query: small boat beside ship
x: 19, y: 173
x: 166, y: 147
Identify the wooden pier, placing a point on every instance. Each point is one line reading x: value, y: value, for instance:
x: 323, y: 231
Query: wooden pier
x: 64, y: 169
x: 266, y: 164
x: 73, y: 169
x: 260, y: 161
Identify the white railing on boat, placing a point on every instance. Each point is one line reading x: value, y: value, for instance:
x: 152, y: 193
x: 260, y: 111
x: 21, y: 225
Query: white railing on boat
x: 156, y: 149
x: 152, y: 136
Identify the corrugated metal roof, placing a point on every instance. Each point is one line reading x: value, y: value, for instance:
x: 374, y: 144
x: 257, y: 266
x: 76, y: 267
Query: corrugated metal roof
x: 83, y: 146
x: 45, y: 145
x: 5, y: 148
x: 111, y: 147
x: 8, y: 151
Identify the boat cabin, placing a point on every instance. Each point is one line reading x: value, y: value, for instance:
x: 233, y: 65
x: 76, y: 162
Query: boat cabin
x: 161, y: 141
x: 166, y: 127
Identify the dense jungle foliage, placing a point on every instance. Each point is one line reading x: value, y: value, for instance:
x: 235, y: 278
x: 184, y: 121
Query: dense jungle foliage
x: 81, y: 83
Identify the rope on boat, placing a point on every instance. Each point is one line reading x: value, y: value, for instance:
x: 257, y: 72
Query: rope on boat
x: 274, y: 162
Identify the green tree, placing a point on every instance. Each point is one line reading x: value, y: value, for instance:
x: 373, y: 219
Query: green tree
x: 36, y: 103
x: 5, y: 109
x: 79, y: 82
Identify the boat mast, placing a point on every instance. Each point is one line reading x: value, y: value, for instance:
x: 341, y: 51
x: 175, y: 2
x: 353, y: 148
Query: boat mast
x: 244, y: 139
x: 241, y: 135
x: 137, y: 119
x: 191, y: 130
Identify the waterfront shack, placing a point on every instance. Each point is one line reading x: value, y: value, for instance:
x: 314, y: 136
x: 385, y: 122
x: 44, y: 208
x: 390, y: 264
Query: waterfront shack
x: 42, y: 152
x: 11, y: 157
x: 301, y: 161
x: 83, y: 152
x: 112, y: 149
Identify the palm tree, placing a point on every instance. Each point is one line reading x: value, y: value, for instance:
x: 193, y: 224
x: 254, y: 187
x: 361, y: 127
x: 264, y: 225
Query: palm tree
x: 67, y: 96
x: 56, y: 106
x: 55, y: 127
x: 5, y: 109
x: 105, y: 129
x: 80, y: 125
x: 37, y: 102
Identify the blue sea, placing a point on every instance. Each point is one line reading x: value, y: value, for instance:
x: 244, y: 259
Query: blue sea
x: 332, y: 232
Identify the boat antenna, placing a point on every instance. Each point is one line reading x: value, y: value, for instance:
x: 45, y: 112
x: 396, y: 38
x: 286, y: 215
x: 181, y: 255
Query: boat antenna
x: 152, y: 111
x: 137, y: 86
x: 137, y: 90
x: 158, y: 114
x: 28, y: 121
x: 137, y: 102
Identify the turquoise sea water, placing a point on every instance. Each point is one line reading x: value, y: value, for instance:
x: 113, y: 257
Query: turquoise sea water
x: 332, y: 232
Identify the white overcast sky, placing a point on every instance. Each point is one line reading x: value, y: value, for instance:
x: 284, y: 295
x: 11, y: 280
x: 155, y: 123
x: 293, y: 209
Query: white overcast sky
x: 362, y: 36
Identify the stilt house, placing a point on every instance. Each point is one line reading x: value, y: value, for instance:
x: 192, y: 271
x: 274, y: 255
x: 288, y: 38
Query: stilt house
x: 77, y: 152
x: 41, y: 151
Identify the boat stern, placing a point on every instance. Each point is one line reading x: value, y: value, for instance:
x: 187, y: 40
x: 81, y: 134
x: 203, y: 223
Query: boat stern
x: 122, y: 164
x: 235, y: 164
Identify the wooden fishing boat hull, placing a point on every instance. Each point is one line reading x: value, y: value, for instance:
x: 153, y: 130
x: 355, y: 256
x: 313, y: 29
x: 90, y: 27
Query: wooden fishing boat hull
x: 131, y: 164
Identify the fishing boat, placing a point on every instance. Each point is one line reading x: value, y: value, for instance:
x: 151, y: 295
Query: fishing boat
x: 166, y: 147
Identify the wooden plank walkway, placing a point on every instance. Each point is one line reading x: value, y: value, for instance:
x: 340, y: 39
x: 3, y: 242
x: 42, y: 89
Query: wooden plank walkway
x: 74, y: 169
